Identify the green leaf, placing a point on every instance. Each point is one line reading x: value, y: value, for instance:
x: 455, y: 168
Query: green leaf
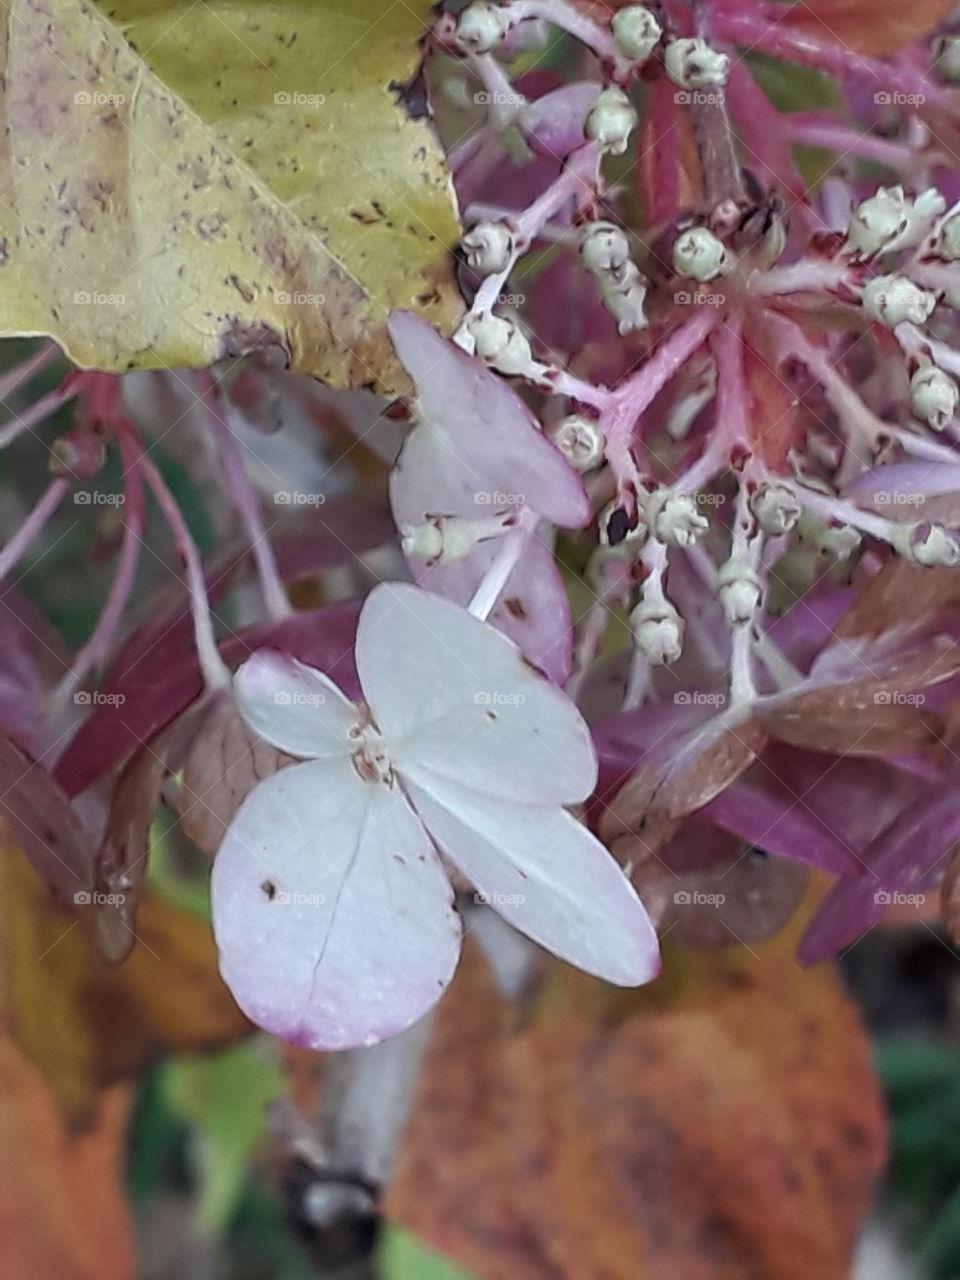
x: 403, y: 1257
x: 182, y: 180
x: 224, y: 1097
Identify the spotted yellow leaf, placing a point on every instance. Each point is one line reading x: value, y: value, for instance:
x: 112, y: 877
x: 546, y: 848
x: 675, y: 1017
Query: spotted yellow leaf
x: 179, y: 181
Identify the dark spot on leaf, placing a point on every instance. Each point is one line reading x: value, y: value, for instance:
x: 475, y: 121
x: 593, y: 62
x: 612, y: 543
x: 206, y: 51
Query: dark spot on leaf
x: 514, y: 606
x: 269, y: 889
x: 491, y: 715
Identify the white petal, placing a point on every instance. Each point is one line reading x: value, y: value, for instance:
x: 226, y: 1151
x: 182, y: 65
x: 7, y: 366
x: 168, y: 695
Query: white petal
x: 294, y: 707
x: 331, y: 909
x: 546, y: 874
x: 450, y: 692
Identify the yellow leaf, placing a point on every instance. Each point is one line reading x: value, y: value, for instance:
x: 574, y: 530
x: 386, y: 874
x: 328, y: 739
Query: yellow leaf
x: 179, y: 180
x: 86, y: 1023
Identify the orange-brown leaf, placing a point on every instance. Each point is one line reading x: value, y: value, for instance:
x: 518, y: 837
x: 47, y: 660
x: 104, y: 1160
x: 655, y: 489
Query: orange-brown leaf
x: 62, y: 1210
x: 868, y: 26
x: 723, y: 1124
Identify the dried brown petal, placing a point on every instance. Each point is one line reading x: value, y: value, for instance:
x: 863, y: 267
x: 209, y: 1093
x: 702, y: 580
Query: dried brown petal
x: 664, y: 791
x: 225, y: 762
x: 122, y: 858
x: 42, y: 823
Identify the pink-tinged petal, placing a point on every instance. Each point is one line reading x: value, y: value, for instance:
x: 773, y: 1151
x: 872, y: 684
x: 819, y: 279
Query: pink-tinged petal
x: 294, y: 707
x: 332, y: 913
x: 546, y: 874
x: 451, y: 693
x: 533, y: 610
x: 475, y: 439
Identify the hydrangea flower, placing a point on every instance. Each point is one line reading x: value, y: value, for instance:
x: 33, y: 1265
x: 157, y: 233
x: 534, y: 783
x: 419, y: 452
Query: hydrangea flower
x: 477, y: 457
x: 332, y: 907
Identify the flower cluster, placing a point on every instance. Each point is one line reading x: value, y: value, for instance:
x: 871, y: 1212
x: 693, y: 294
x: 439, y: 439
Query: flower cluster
x: 687, y: 472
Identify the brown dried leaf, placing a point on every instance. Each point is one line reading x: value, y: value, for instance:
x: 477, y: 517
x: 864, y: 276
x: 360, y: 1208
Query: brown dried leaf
x: 41, y: 821
x: 122, y: 860
x: 225, y: 762
x: 724, y: 1124
x: 900, y: 592
x: 653, y: 802
x: 745, y: 896
x: 876, y: 715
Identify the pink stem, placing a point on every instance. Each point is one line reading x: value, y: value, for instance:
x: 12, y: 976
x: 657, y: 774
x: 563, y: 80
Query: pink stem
x: 566, y: 16
x: 244, y: 499
x: 40, y: 410
x: 580, y: 175
x: 34, y: 523
x: 760, y: 27
x: 635, y: 395
x: 494, y: 581
x: 802, y: 277
x: 811, y: 131
x: 215, y: 672
x: 20, y: 373
x: 98, y: 647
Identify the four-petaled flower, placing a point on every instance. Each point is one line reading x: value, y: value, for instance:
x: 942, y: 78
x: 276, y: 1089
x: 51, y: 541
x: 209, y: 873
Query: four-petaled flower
x: 331, y: 906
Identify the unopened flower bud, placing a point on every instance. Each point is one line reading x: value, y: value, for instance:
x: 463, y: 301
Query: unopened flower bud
x: 489, y: 247
x: 610, y: 121
x: 500, y: 343
x: 698, y: 253
x: 657, y: 631
x: 580, y: 441
x: 890, y: 220
x: 692, y: 64
x: 948, y: 239
x: 877, y: 221
x: 77, y: 453
x: 946, y: 52
x: 624, y: 296
x: 603, y: 248
x: 892, y: 299
x: 481, y: 27
x: 839, y: 540
x: 776, y: 508
x: 674, y: 519
x: 927, y: 544
x: 446, y: 539
x: 738, y: 589
x: 636, y: 32
x: 934, y: 395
